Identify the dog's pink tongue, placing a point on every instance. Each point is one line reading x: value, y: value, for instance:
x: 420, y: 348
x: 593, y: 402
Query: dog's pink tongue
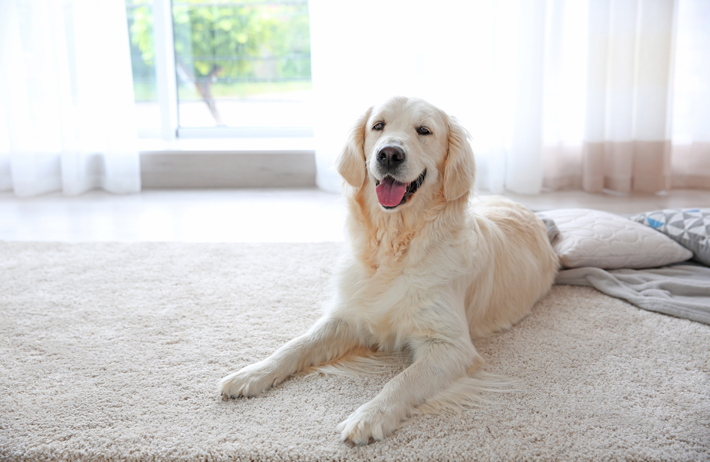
x: 390, y: 192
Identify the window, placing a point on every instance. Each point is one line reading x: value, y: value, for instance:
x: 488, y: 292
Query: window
x: 140, y: 29
x: 221, y: 67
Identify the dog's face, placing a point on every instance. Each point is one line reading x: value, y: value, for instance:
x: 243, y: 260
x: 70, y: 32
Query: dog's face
x: 404, y: 139
x: 408, y: 148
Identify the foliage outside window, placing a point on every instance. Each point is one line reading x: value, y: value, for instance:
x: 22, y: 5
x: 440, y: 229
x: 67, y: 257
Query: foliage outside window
x: 229, y: 56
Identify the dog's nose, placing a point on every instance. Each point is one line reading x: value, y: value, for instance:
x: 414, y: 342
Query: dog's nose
x: 390, y: 157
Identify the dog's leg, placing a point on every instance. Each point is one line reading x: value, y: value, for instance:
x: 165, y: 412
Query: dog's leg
x: 328, y: 339
x: 438, y: 362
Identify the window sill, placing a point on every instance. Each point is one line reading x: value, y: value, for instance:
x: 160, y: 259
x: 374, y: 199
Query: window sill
x: 228, y: 163
x: 233, y: 145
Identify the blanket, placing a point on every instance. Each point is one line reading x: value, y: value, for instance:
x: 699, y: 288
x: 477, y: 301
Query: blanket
x: 681, y: 290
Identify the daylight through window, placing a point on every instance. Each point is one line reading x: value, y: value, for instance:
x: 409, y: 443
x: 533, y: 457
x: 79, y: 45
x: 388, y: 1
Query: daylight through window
x: 239, y: 64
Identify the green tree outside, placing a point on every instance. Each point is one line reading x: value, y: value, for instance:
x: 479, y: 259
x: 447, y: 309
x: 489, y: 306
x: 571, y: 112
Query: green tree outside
x: 226, y: 49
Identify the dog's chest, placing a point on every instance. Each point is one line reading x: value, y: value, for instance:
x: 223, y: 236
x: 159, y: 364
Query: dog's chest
x: 386, y: 306
x: 390, y: 327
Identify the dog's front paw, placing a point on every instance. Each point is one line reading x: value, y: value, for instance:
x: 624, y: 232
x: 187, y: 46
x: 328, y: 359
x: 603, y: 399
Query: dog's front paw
x: 369, y: 421
x: 249, y: 381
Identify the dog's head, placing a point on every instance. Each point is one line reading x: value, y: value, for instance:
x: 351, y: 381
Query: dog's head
x: 406, y: 146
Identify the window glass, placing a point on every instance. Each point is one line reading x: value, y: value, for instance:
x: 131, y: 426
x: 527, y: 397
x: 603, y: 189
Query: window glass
x: 140, y: 29
x: 242, y: 63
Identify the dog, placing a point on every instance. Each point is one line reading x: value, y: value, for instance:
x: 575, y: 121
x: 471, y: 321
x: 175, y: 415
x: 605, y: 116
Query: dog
x: 425, y: 272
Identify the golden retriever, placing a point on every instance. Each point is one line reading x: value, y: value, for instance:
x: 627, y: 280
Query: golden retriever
x: 425, y: 272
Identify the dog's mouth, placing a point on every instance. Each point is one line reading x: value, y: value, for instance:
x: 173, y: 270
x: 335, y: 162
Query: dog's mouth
x: 391, y: 193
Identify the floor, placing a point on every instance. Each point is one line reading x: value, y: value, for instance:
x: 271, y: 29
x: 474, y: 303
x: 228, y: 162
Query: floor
x: 299, y: 215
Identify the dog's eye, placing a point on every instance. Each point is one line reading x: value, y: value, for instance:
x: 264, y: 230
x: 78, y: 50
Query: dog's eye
x: 378, y: 126
x: 423, y: 131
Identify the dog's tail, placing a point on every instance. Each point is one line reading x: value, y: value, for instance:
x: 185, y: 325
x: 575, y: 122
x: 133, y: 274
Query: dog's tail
x: 474, y: 390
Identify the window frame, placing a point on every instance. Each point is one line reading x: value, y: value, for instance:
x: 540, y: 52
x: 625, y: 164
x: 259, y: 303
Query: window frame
x: 165, y: 77
x: 167, y: 88
x: 198, y: 157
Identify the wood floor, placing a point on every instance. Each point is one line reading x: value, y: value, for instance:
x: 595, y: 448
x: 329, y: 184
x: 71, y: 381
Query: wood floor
x: 242, y: 215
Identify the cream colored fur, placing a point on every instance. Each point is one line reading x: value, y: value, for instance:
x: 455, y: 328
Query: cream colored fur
x: 424, y: 278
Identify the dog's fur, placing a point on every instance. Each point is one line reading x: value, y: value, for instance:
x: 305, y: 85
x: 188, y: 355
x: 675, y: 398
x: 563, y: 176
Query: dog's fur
x: 425, y: 277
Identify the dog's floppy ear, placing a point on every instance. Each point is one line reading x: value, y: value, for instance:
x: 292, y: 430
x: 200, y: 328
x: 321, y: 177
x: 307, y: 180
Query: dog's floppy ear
x: 351, y: 162
x: 459, y: 166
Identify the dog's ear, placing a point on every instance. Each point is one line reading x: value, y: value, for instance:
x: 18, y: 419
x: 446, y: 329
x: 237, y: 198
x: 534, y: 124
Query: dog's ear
x: 351, y: 162
x: 459, y: 165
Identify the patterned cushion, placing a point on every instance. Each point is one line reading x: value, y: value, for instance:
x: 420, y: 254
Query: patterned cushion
x: 689, y: 227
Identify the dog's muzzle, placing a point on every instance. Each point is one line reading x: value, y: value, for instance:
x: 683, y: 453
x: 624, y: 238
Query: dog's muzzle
x: 392, y: 193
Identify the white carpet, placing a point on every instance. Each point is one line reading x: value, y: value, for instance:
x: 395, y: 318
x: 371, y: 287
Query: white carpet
x: 113, y: 351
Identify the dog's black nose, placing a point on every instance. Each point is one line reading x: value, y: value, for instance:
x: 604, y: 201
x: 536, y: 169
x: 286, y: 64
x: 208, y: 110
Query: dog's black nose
x: 390, y: 157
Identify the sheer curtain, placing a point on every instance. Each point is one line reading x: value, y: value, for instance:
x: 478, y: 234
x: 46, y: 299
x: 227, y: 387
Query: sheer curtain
x: 66, y: 98
x: 597, y: 95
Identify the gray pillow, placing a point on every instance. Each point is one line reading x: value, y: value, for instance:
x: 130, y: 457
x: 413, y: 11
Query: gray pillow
x: 689, y: 227
x: 552, y: 230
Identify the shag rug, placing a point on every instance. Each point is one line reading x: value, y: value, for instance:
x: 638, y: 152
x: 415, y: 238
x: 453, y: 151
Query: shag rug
x: 112, y: 351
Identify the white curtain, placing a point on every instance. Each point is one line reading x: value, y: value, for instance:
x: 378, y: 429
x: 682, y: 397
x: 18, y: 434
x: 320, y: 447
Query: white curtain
x: 66, y: 98
x: 691, y: 94
x: 598, y: 95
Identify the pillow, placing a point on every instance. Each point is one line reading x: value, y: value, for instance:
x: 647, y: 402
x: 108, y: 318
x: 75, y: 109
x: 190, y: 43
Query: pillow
x: 689, y: 227
x: 552, y: 231
x: 604, y: 240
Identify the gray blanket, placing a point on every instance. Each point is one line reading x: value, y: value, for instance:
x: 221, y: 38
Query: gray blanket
x: 681, y: 290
